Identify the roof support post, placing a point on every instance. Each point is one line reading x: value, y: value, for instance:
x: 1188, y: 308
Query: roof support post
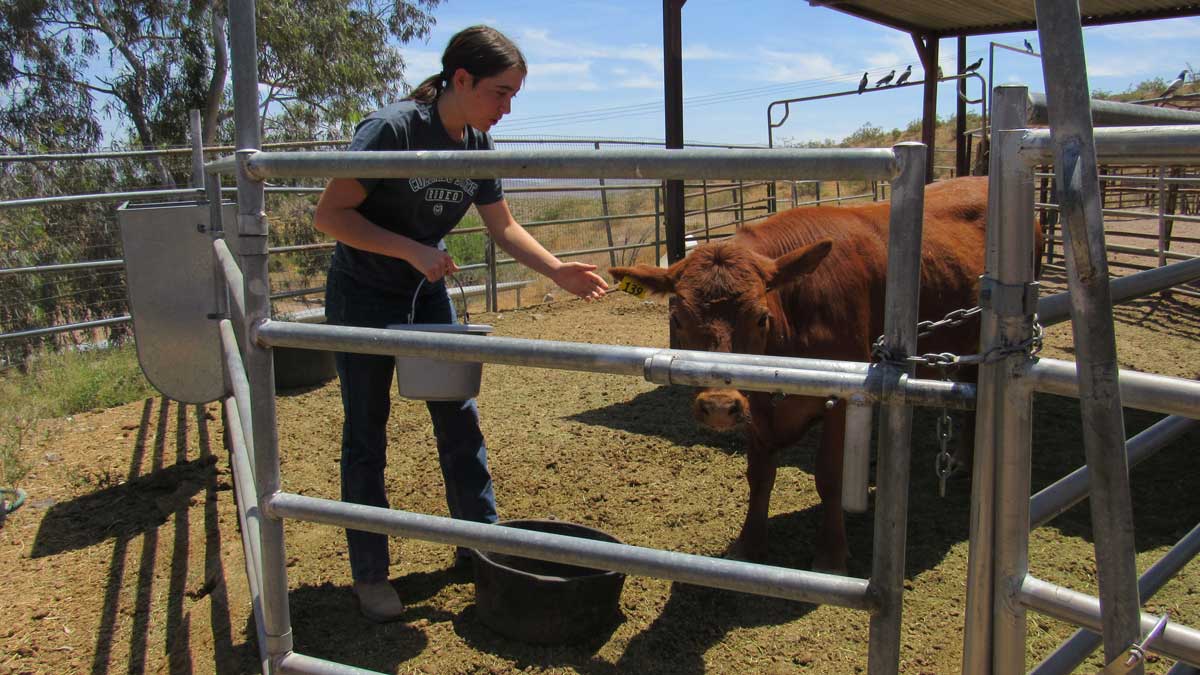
x: 673, y: 78
x: 962, y: 159
x: 927, y: 49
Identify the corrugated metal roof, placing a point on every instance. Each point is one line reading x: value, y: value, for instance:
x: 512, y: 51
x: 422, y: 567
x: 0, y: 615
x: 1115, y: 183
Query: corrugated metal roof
x: 967, y: 17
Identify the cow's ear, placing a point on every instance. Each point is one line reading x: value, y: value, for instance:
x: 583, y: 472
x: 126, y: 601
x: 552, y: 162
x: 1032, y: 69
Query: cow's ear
x: 654, y: 280
x: 799, y: 262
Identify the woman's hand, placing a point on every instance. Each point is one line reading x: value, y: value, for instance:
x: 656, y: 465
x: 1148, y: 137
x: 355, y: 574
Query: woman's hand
x: 580, y: 279
x: 432, y: 262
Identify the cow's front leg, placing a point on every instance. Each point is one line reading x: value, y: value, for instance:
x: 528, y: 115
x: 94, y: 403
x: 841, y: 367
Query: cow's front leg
x: 832, y: 550
x: 751, y: 544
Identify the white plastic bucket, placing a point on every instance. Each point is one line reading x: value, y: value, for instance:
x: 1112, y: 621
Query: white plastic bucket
x: 425, y: 379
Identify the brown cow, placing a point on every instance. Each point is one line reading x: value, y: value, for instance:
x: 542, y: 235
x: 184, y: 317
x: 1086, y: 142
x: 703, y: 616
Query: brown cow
x: 810, y: 282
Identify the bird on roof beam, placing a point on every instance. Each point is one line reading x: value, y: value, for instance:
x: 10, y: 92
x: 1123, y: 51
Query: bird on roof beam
x: 974, y: 66
x: 1028, y: 47
x: 886, y: 79
x: 904, y: 76
x: 1175, y: 85
x: 862, y: 84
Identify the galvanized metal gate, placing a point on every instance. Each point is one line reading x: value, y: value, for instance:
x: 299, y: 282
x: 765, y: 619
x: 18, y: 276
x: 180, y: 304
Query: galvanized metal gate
x: 998, y: 594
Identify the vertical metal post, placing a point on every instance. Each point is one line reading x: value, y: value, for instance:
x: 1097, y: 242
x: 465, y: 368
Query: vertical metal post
x: 1068, y: 100
x: 795, y: 197
x: 927, y: 50
x: 1162, y: 216
x: 962, y: 155
x: 658, y: 223
x: 612, y: 255
x: 252, y: 247
x: 673, y: 84
x: 493, y: 276
x: 704, y: 193
x: 197, y: 150
x: 1011, y: 307
x: 1011, y: 112
x: 900, y: 337
x: 740, y: 195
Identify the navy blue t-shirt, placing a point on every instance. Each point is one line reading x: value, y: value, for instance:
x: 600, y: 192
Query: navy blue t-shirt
x: 423, y: 209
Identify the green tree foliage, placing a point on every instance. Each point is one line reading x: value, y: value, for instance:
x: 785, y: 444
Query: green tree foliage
x: 66, y: 63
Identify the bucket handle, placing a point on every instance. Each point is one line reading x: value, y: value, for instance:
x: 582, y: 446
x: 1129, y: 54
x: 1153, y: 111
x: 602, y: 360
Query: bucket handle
x: 412, y: 310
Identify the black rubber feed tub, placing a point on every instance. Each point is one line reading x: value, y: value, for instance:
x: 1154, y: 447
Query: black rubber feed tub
x: 546, y: 602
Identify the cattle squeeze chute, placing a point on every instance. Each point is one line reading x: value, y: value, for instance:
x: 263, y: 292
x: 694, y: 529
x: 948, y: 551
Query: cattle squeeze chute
x: 890, y: 384
x: 248, y: 335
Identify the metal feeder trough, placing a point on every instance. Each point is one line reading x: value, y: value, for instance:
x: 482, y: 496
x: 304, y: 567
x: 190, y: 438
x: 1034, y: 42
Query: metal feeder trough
x: 543, y: 602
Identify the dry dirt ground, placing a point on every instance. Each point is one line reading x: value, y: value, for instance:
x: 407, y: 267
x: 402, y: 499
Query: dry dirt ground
x: 128, y: 559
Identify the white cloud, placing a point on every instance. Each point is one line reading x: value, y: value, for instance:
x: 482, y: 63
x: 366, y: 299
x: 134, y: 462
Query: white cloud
x: 1125, y: 65
x: 640, y: 82
x: 561, y: 76
x: 1167, y: 29
x: 776, y: 66
x: 420, y: 64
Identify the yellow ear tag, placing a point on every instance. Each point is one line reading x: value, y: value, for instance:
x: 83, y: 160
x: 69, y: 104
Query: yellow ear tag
x: 632, y: 287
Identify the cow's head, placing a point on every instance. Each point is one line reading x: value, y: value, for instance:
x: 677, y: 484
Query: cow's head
x: 724, y: 306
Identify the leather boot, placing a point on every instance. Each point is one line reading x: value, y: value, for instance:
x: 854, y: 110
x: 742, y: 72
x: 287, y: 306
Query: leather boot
x: 378, y: 601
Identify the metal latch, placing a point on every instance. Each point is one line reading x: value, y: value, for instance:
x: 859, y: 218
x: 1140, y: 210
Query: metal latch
x: 1008, y: 299
x: 1136, y: 654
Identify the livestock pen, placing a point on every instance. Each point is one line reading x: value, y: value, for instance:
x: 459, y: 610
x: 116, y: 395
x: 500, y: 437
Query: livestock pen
x: 825, y: 639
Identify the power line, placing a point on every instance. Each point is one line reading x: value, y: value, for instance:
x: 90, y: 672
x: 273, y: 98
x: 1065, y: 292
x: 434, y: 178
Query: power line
x: 642, y: 109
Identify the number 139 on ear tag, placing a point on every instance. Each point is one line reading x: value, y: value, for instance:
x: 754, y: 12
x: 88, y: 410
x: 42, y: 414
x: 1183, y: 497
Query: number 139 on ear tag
x: 632, y: 287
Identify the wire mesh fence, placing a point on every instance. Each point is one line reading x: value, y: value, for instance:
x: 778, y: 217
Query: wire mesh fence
x: 62, y: 283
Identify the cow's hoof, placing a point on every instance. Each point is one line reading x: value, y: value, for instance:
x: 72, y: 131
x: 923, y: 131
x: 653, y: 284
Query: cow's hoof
x: 738, y: 550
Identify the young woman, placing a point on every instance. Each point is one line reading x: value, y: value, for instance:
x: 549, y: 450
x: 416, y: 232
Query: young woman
x: 389, y: 234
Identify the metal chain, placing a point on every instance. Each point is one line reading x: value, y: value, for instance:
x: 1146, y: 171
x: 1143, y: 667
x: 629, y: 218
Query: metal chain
x: 943, y: 465
x: 1030, y: 346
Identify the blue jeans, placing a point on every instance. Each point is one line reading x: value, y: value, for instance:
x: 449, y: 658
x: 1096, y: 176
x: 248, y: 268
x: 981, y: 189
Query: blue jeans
x: 366, y: 402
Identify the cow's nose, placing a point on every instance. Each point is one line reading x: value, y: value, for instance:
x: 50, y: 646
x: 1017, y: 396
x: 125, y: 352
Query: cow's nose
x: 719, y: 411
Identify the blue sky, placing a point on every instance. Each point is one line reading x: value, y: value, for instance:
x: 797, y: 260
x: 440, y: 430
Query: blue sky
x: 596, y: 66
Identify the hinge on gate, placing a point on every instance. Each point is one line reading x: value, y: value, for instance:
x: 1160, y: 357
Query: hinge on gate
x: 1008, y: 299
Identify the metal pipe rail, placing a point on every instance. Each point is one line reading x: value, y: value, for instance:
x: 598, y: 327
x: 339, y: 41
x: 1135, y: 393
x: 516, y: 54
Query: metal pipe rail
x: 293, y: 663
x: 1139, y: 215
x: 99, y: 197
x: 805, y: 377
x: 1056, y: 308
x: 779, y: 582
x: 65, y: 328
x: 1144, y: 391
x: 1073, y: 488
x: 1116, y: 113
x: 828, y: 164
x: 234, y: 282
x: 1125, y: 145
x: 239, y: 383
x: 1177, y: 642
x: 1080, y: 645
x: 248, y: 517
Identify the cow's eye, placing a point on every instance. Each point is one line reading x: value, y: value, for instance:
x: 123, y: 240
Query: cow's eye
x: 764, y: 320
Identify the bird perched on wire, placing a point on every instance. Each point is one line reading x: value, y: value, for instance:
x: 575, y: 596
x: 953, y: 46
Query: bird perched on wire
x: 1174, y: 85
x: 974, y: 66
x: 940, y: 75
x: 1028, y: 47
x: 862, y: 84
x: 886, y: 79
x: 904, y: 76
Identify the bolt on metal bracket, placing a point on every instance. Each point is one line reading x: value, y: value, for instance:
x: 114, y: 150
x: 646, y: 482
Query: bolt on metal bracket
x: 1008, y: 299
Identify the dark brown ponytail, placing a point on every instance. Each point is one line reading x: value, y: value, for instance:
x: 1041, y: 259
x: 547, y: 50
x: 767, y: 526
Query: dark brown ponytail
x: 480, y: 50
